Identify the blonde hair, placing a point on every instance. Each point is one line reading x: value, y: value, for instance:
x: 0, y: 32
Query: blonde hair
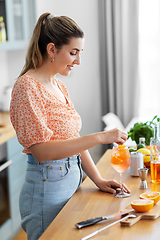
x: 58, y: 30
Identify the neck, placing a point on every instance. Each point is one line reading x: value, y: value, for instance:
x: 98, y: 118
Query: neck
x: 43, y: 74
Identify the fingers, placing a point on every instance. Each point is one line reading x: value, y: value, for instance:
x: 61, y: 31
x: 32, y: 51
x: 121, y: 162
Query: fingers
x: 111, y: 190
x: 116, y: 135
x: 112, y: 185
x: 122, y: 137
x: 125, y: 188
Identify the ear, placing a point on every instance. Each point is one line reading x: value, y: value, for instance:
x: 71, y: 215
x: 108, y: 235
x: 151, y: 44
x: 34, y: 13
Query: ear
x: 51, y: 50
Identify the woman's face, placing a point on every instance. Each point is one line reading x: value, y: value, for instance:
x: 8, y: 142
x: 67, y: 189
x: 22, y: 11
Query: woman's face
x: 68, y: 56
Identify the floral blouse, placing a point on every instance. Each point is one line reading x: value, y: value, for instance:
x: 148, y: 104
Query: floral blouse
x: 38, y: 116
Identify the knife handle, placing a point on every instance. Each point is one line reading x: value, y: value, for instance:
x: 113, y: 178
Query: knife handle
x: 89, y: 222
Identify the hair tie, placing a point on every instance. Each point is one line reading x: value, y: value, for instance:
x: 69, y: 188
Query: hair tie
x: 50, y: 16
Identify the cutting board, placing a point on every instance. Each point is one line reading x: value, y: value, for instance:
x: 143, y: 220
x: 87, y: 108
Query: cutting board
x: 151, y: 215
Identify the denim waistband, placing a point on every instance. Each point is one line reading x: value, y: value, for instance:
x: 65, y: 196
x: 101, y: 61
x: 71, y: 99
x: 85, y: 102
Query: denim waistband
x: 33, y: 160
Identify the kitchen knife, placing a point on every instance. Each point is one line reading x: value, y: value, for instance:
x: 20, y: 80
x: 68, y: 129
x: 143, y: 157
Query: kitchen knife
x: 94, y: 233
x: 92, y: 221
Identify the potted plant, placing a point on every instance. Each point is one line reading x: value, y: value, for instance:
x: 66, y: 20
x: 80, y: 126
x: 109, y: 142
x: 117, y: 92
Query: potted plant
x: 141, y: 129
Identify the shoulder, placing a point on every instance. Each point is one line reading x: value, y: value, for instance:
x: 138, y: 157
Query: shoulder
x: 25, y: 81
x: 24, y: 84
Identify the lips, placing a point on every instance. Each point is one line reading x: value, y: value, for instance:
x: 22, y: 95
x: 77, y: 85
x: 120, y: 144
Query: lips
x: 70, y: 67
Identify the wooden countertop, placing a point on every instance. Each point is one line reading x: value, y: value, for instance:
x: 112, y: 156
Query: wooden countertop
x: 6, y: 130
x: 88, y: 202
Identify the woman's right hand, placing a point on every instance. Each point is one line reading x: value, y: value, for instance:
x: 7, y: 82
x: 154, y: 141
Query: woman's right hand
x: 113, y: 135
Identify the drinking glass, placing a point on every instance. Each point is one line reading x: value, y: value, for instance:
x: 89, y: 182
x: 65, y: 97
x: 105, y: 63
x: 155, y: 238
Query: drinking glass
x: 120, y: 161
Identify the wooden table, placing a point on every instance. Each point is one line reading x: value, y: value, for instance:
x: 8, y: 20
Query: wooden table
x: 89, y: 202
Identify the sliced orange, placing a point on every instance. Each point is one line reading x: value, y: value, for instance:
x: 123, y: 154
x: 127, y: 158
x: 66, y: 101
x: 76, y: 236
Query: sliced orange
x: 116, y: 160
x: 121, y: 146
x: 155, y: 196
x: 142, y: 205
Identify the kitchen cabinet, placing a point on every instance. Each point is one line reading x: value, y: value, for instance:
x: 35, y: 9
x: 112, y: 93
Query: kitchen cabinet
x: 19, y: 18
x: 16, y: 175
x: 16, y: 178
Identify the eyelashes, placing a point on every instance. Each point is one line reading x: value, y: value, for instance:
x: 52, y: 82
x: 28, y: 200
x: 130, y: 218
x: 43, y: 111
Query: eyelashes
x: 73, y: 54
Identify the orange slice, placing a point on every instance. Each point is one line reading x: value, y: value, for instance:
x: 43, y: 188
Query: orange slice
x: 142, y: 205
x: 116, y: 160
x: 121, y: 146
x: 155, y: 196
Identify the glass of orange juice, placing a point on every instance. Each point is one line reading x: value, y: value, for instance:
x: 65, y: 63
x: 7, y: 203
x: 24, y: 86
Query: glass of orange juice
x: 120, y: 161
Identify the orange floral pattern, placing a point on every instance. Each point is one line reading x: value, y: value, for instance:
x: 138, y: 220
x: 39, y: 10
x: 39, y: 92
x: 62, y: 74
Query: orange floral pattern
x: 38, y: 116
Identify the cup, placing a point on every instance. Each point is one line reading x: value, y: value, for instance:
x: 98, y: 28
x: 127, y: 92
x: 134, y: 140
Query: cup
x: 136, y: 162
x: 143, y: 175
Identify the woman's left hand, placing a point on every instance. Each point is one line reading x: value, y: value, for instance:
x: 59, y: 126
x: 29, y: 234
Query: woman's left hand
x: 110, y: 186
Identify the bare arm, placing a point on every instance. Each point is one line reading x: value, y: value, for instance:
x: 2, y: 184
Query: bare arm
x: 53, y: 150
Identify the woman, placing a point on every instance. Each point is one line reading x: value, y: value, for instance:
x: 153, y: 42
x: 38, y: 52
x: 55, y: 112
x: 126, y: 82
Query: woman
x: 47, y: 125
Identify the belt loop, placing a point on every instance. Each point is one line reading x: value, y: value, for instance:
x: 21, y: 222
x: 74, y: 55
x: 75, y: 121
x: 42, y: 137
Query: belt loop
x: 69, y: 163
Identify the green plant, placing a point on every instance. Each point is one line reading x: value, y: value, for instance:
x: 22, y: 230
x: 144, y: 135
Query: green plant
x: 145, y: 130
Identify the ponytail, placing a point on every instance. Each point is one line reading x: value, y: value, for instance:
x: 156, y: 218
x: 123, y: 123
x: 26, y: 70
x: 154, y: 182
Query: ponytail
x: 34, y: 56
x: 57, y: 30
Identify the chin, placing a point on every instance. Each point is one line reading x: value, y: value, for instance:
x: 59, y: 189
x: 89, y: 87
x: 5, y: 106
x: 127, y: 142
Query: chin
x: 65, y: 74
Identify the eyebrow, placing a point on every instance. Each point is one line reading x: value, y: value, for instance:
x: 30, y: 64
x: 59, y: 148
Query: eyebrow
x: 77, y: 49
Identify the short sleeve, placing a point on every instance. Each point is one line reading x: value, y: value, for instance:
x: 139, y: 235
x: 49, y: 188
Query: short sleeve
x: 27, y: 113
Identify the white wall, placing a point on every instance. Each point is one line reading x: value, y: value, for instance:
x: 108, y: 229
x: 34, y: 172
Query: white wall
x: 3, y: 74
x: 84, y: 81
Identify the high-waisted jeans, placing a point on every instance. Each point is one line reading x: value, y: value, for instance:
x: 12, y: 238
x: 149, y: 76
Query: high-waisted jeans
x: 47, y: 188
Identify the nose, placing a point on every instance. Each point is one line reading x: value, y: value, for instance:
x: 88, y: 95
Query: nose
x: 77, y: 60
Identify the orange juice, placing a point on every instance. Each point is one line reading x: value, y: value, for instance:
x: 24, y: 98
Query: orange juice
x: 120, y: 159
x: 155, y: 171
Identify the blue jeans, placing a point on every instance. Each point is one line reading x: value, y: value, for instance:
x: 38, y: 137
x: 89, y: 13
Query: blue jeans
x: 47, y: 188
